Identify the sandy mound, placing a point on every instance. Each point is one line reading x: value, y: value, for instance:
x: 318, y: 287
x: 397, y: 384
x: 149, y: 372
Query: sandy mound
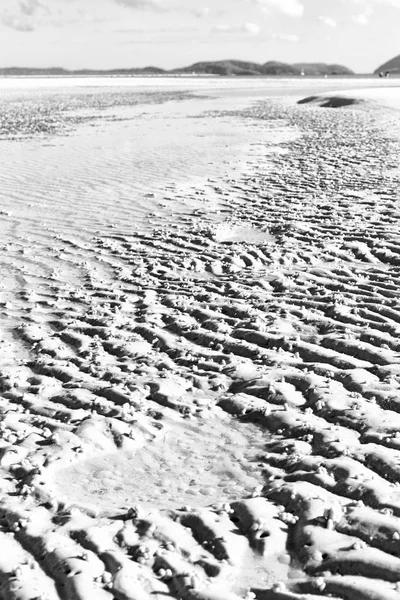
x: 330, y: 101
x: 384, y: 96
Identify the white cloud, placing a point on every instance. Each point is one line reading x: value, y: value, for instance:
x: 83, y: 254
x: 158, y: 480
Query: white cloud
x: 202, y: 12
x: 19, y: 24
x: 371, y: 3
x: 29, y: 7
x: 28, y: 15
x: 292, y: 8
x: 20, y: 14
x: 363, y: 17
x: 360, y: 19
x: 157, y: 5
x: 222, y: 28
x: 286, y: 37
x: 328, y: 21
x: 251, y: 28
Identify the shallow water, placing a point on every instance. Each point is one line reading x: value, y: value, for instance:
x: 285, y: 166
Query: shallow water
x: 195, y: 464
x: 124, y: 160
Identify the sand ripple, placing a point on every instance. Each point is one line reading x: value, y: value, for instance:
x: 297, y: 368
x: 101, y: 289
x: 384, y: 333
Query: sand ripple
x: 210, y: 411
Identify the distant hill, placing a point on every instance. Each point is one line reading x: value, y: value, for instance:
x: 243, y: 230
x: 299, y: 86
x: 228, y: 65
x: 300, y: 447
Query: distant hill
x: 144, y: 71
x: 24, y: 71
x: 323, y: 69
x: 219, y: 67
x: 238, y: 67
x: 60, y: 72
x: 279, y: 68
x: 392, y: 66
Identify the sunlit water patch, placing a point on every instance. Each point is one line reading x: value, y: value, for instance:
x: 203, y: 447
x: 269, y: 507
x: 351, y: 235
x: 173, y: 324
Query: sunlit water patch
x: 197, y: 464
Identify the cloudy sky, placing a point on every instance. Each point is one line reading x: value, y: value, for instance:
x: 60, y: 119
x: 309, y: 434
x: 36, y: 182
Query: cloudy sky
x: 170, y: 33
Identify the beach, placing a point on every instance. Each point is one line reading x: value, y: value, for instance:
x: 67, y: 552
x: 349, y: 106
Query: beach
x: 199, y: 349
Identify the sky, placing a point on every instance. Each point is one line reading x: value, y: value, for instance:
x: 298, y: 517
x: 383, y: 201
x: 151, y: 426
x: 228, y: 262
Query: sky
x: 103, y: 34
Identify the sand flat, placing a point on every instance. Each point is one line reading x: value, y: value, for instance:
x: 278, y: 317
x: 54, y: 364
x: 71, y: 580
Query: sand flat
x: 199, y: 356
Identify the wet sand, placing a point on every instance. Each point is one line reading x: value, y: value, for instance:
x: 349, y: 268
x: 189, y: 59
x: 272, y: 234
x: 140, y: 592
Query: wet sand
x: 199, y: 351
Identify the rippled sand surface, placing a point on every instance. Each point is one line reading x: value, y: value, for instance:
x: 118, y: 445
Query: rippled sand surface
x: 199, y: 340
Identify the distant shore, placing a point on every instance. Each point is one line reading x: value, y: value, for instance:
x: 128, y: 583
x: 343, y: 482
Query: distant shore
x: 103, y: 75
